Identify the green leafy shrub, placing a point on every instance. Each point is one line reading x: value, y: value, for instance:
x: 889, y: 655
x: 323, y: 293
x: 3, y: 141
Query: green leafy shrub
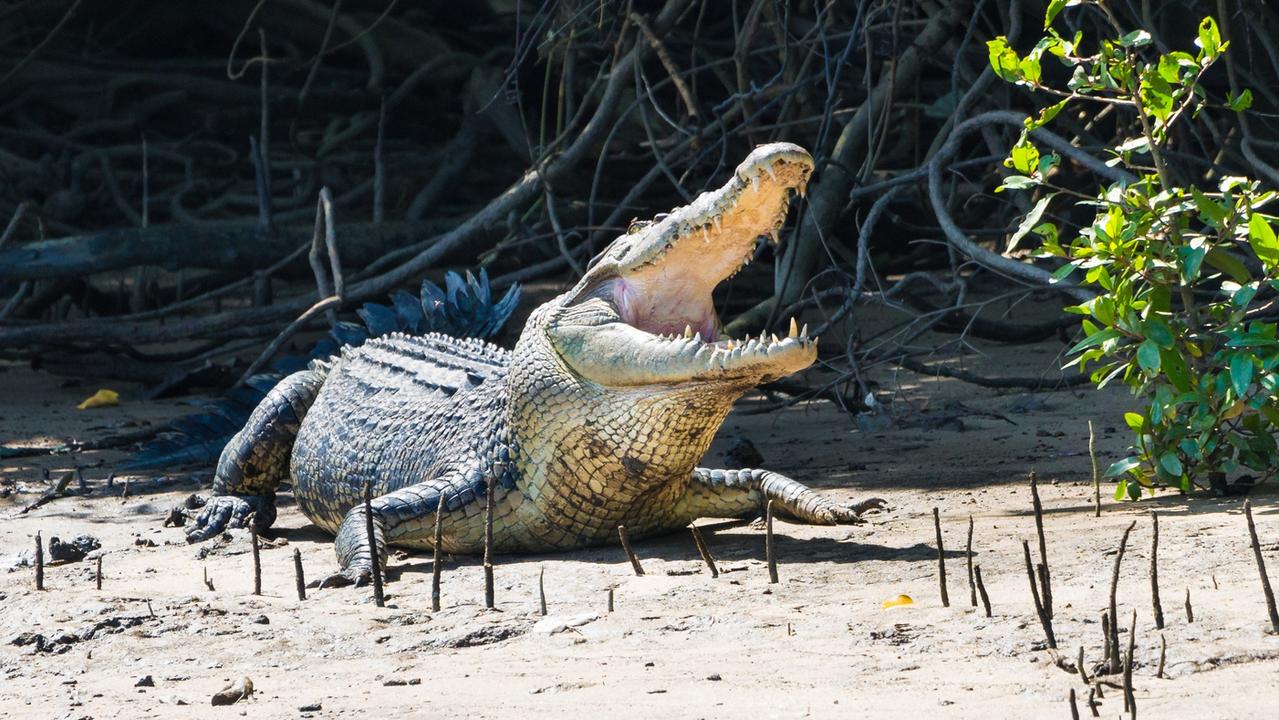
x: 1184, y: 276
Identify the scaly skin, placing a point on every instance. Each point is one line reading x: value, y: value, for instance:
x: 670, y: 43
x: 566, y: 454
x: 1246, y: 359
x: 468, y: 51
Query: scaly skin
x: 597, y: 418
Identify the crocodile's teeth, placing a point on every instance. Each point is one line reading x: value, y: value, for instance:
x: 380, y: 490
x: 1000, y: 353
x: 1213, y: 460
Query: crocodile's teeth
x: 706, y: 233
x: 728, y: 345
x: 755, y: 183
x: 688, y: 332
x: 803, y: 189
x: 803, y: 332
x: 774, y: 338
x: 794, y: 329
x: 775, y: 237
x: 772, y: 175
x: 719, y: 223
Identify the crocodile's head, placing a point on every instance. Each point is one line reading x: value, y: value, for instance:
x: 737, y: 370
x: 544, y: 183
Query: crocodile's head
x: 642, y: 314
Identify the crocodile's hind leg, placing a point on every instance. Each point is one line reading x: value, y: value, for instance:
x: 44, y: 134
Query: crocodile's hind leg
x: 256, y: 460
x: 736, y: 493
x: 406, y: 516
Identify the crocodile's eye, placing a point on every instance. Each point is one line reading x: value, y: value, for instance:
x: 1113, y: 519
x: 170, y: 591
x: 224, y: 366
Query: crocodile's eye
x: 637, y: 225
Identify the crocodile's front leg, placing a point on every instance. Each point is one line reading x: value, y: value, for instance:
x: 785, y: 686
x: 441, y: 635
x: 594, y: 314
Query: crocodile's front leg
x: 405, y: 516
x: 735, y: 493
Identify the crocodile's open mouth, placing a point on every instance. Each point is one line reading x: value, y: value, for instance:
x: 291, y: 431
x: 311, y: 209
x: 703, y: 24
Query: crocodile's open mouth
x: 660, y: 277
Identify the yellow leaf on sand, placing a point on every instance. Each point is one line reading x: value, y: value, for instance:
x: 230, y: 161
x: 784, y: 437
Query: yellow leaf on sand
x: 101, y: 398
x: 898, y: 601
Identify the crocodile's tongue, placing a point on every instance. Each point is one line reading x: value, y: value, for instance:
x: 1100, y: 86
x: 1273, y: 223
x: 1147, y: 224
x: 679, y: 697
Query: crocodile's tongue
x: 679, y: 306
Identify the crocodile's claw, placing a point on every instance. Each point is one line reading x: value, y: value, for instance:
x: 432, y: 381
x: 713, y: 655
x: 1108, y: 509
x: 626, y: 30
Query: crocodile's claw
x: 230, y: 511
x: 851, y: 514
x: 868, y: 505
x: 357, y: 575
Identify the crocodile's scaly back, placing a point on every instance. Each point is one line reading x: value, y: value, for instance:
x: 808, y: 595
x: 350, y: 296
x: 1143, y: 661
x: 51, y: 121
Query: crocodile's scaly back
x: 393, y: 412
x: 597, y: 418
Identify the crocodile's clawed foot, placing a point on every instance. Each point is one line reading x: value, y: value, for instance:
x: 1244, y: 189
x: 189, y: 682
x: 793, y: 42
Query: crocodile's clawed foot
x: 230, y: 511
x: 357, y: 575
x: 869, y: 505
x: 852, y: 514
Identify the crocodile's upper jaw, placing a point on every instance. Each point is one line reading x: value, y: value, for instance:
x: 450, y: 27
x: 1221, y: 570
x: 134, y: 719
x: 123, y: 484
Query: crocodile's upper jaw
x: 643, y: 313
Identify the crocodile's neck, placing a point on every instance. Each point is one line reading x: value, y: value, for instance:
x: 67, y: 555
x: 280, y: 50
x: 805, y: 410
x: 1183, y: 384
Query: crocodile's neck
x: 574, y: 437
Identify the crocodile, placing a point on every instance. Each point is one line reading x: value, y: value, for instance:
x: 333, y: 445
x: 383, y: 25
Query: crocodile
x: 597, y: 418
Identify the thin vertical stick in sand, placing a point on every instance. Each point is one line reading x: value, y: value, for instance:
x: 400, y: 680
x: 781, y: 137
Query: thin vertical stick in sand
x: 626, y: 545
x: 941, y: 560
x: 436, y: 556
x: 1163, y: 651
x: 299, y: 578
x: 1261, y: 568
x: 207, y: 582
x: 1045, y: 582
x: 1074, y: 709
x: 1105, y: 633
x: 541, y: 590
x: 1079, y: 665
x: 704, y: 551
x: 1044, y: 620
x: 1130, y: 700
x: 257, y: 557
x: 1114, y: 660
x: 610, y: 599
x: 39, y: 563
x: 1154, y: 572
x: 378, y: 598
x: 1096, y: 475
x: 770, y: 547
x: 1092, y: 702
x: 981, y: 588
x: 1190, y: 611
x: 97, y: 575
x: 488, y: 544
x: 972, y: 587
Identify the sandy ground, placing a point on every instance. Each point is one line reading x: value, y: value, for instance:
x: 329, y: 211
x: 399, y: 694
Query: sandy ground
x: 679, y: 643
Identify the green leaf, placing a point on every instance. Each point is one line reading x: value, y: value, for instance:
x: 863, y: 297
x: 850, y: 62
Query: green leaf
x: 1120, y: 467
x: 1170, y: 462
x: 1096, y: 338
x: 1136, y: 38
x: 1139, y: 145
x: 1003, y: 59
x: 1017, y: 182
x: 1158, y: 331
x: 1191, y: 260
x: 1175, y: 368
x: 1045, y: 116
x: 1212, y: 212
x: 1209, y: 38
x: 1029, y: 67
x: 1169, y: 69
x: 1264, y: 242
x: 1156, y: 96
x: 1241, y: 103
x: 1024, y: 157
x: 1030, y: 221
x: 1243, y: 295
x: 1054, y: 7
x: 1148, y: 356
x: 1240, y: 373
x: 1134, y: 421
x: 1228, y: 264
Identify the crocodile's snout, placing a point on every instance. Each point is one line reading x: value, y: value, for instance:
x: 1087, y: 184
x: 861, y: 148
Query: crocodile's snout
x: 657, y: 281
